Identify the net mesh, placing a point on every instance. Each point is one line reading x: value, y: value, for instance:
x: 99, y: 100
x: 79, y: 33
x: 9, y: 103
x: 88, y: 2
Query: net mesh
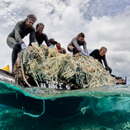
x: 46, y: 64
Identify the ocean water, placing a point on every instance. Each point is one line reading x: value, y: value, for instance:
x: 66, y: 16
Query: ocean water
x: 104, y: 108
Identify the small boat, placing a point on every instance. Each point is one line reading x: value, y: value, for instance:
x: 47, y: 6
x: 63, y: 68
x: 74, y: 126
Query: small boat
x: 13, y: 97
x: 33, y: 101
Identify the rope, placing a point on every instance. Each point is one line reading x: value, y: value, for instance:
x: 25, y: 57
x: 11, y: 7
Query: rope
x: 62, y: 67
x: 92, y: 78
x: 35, y: 80
x: 23, y: 74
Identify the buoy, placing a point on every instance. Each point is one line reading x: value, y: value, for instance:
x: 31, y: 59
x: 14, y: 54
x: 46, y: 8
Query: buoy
x: 6, y: 68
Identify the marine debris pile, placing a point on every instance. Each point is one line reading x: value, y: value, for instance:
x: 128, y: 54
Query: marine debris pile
x: 45, y: 65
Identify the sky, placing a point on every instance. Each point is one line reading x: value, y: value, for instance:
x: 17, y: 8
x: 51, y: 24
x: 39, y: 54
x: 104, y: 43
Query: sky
x: 104, y: 23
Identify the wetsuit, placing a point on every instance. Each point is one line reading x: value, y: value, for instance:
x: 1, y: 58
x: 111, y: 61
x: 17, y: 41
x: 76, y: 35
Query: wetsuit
x: 14, y: 40
x: 40, y: 38
x: 76, y: 46
x: 95, y: 54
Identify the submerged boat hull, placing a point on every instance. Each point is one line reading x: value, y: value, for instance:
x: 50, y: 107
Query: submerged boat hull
x: 35, y: 107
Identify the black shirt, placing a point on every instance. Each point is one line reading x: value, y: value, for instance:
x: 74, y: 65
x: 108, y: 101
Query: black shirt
x: 41, y: 38
x: 95, y: 54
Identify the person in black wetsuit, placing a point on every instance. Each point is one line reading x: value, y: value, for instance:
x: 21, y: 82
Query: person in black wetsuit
x: 99, y: 54
x: 22, y: 28
x: 41, y: 37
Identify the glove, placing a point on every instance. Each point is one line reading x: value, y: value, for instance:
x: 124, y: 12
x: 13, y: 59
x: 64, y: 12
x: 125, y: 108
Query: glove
x: 51, y: 46
x: 35, y: 44
x: 23, y: 46
x: 85, y: 54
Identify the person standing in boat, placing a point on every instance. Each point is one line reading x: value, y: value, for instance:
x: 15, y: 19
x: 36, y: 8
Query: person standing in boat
x: 74, y: 45
x: 14, y: 39
x: 100, y: 55
x: 41, y: 37
x: 60, y: 49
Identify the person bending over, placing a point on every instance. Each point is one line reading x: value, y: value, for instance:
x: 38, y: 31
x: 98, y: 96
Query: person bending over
x: 74, y: 45
x: 41, y: 37
x: 21, y: 29
x: 100, y: 55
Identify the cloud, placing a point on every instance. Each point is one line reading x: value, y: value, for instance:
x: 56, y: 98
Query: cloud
x: 104, y: 24
x: 99, y: 8
x: 113, y: 33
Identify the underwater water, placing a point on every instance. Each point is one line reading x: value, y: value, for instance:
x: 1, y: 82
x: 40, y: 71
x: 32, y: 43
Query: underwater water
x: 104, y: 108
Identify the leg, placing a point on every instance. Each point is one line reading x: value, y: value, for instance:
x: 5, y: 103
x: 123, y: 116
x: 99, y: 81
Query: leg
x: 16, y: 50
x: 75, y: 51
x: 72, y: 49
x: 11, y: 42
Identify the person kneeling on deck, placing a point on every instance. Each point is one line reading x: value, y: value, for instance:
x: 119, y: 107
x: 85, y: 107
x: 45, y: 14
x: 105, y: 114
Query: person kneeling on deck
x: 99, y: 54
x: 40, y: 37
x: 74, y: 45
x: 60, y: 49
x: 22, y: 28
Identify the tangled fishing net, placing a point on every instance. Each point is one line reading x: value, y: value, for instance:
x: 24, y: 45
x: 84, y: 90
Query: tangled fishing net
x: 42, y: 65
